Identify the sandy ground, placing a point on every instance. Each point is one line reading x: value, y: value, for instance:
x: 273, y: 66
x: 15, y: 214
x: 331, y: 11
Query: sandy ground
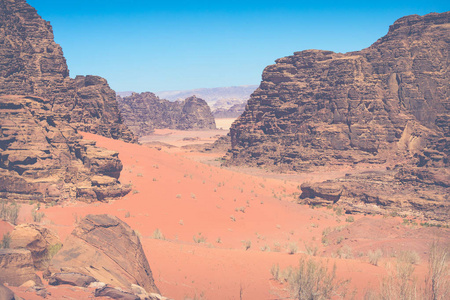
x: 225, y: 229
x: 224, y: 123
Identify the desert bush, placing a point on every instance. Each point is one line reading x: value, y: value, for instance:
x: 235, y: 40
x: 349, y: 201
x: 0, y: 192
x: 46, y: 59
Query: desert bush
x: 374, y: 256
x: 409, y: 256
x: 292, y: 248
x: 313, y: 281
x: 350, y: 219
x: 158, y: 235
x: 53, y: 249
x: 345, y: 252
x: 233, y: 218
x: 438, y: 280
x: 311, y: 250
x: 9, y: 212
x: 127, y: 214
x: 247, y: 244
x: 6, y: 240
x: 199, y: 239
x: 37, y: 216
x: 275, y: 271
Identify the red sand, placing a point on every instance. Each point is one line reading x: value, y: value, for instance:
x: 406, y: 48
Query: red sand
x: 186, y: 200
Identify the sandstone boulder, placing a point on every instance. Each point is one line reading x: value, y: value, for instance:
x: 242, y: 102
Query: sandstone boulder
x: 107, y: 249
x: 75, y: 279
x: 40, y: 241
x: 114, y: 293
x: 17, y: 267
x: 6, y: 293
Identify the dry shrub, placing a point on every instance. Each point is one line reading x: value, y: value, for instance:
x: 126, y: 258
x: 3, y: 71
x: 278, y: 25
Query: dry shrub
x: 313, y: 281
x: 374, y: 256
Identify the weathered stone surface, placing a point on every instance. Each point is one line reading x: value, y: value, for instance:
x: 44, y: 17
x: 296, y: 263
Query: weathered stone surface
x: 75, y: 279
x: 16, y: 267
x: 6, y: 293
x: 89, y: 250
x: 114, y: 293
x: 43, y: 158
x: 318, y: 107
x: 40, y: 241
x: 145, y: 112
x: 421, y: 192
x: 31, y: 63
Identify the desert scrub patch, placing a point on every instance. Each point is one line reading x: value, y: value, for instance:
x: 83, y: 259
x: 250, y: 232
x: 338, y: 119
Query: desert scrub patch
x: 158, y: 235
x: 199, y: 238
x: 374, y: 256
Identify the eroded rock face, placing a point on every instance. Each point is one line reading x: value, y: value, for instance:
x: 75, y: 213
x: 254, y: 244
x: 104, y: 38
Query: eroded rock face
x: 318, y: 107
x: 40, y: 241
x: 16, y: 267
x: 232, y: 112
x: 31, y: 63
x: 89, y: 250
x: 43, y: 158
x: 145, y: 112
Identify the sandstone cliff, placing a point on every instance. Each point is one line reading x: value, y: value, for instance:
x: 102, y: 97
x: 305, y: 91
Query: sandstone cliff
x: 43, y: 158
x: 319, y: 107
x: 145, y: 112
x: 387, y: 103
x: 31, y: 63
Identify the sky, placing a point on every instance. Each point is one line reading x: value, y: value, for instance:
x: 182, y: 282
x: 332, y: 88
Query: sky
x: 145, y: 45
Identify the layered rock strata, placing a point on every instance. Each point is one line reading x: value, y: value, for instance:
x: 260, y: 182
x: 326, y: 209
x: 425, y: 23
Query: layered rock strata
x: 145, y: 112
x: 89, y: 251
x: 31, y: 63
x: 319, y: 107
x: 43, y: 158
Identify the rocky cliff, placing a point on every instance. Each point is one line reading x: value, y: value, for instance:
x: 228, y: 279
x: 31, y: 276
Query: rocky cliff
x: 43, y: 158
x: 145, y: 112
x: 31, y: 63
x: 319, y: 107
x: 387, y: 103
x: 233, y: 112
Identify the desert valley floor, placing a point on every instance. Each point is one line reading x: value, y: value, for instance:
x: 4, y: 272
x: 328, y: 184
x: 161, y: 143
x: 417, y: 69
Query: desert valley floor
x: 211, y: 232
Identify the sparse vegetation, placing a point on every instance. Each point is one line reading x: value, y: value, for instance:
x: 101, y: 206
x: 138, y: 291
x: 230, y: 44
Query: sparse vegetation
x: 37, y: 216
x: 350, y: 219
x: 127, y: 214
x: 311, y: 250
x: 374, y: 256
x: 199, y: 239
x: 9, y: 212
x: 233, y: 218
x: 158, y: 235
x: 247, y: 244
x: 311, y: 281
x: 293, y: 248
x: 6, y: 240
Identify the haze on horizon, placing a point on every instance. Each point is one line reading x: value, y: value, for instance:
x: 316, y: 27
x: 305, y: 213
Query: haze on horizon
x: 178, y: 45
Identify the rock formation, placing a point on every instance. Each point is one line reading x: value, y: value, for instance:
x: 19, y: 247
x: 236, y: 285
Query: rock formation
x: 89, y: 251
x: 232, y: 112
x: 386, y: 103
x: 145, y: 112
x: 40, y: 241
x: 31, y: 63
x: 17, y: 267
x: 319, y: 107
x: 43, y: 158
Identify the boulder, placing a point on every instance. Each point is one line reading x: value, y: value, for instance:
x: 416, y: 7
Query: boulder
x: 6, y: 293
x: 114, y: 293
x: 40, y: 241
x: 75, y: 279
x: 17, y: 267
x: 104, y: 247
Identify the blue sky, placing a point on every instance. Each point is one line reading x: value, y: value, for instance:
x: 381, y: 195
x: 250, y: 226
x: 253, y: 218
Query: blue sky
x: 171, y: 45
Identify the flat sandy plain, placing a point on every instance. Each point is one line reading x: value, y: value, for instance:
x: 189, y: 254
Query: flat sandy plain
x: 225, y: 228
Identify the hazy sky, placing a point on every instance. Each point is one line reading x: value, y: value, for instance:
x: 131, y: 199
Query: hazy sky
x: 143, y: 45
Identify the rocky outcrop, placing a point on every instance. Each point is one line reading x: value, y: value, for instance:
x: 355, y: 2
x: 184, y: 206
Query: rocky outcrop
x: 40, y: 241
x: 405, y: 190
x: 75, y: 279
x: 31, y: 63
x: 319, y: 107
x: 6, y: 293
x: 89, y: 251
x: 145, y: 112
x: 43, y: 158
x: 16, y: 266
x: 232, y: 112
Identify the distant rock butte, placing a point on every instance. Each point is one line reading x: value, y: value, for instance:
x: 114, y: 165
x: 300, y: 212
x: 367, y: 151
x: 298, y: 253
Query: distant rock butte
x: 31, y: 63
x: 386, y: 103
x: 145, y: 112
x: 318, y: 107
x: 43, y: 158
x: 107, y: 249
x: 233, y: 112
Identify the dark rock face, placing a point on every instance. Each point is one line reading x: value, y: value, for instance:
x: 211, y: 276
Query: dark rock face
x: 43, y: 158
x: 89, y: 251
x: 319, y: 107
x: 31, y: 63
x: 145, y: 112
